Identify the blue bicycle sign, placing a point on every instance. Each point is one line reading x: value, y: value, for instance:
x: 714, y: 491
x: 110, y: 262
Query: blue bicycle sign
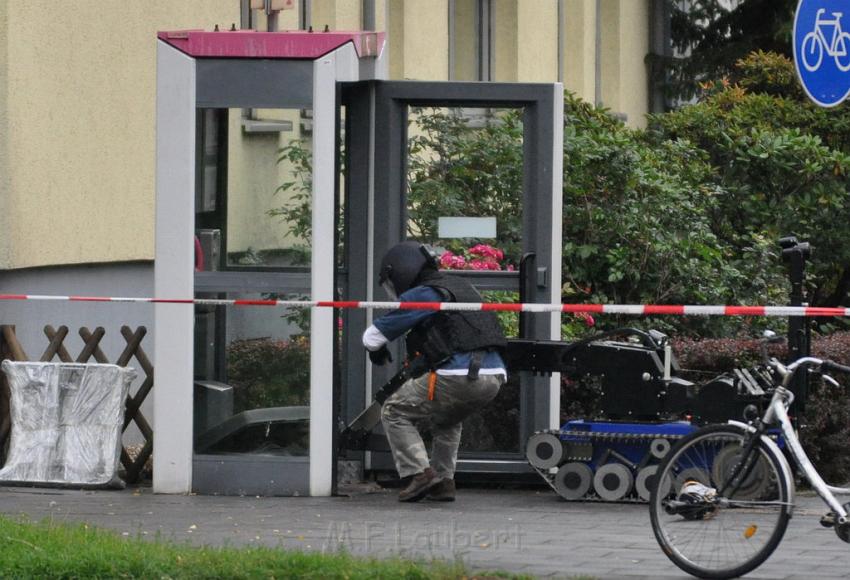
x: 822, y: 50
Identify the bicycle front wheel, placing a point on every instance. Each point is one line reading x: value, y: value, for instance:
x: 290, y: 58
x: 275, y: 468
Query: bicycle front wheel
x: 721, y: 528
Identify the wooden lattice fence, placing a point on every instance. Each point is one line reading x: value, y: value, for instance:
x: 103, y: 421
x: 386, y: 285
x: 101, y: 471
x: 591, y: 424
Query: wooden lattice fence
x: 10, y: 348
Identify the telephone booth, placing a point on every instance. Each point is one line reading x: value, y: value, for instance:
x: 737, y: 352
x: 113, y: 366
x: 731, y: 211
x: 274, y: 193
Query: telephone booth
x: 284, y: 171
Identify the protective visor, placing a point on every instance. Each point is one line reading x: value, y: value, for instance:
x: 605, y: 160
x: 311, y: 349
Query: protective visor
x: 389, y: 289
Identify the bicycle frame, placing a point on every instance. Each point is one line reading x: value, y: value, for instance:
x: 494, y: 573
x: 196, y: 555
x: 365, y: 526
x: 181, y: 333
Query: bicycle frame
x: 777, y: 412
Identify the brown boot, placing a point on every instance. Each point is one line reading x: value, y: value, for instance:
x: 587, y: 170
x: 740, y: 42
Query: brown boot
x: 443, y: 491
x: 419, y: 486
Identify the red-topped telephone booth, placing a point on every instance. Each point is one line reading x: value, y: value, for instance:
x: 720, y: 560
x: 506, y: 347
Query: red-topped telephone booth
x: 282, y: 167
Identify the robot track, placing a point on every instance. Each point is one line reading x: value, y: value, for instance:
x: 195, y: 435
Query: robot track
x: 614, y: 464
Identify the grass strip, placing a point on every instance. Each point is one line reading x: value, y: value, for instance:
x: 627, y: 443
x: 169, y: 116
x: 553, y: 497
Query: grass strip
x: 53, y: 550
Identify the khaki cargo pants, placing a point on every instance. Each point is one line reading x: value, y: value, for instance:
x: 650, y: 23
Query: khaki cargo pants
x: 407, y: 412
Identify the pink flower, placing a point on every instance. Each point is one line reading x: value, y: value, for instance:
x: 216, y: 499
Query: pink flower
x: 588, y: 319
x: 446, y: 259
x: 450, y: 261
x: 478, y: 257
x: 486, y: 251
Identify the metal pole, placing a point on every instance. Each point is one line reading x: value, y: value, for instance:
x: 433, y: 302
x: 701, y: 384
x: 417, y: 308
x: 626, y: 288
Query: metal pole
x: 560, y: 41
x: 452, y: 32
x: 799, y: 330
x: 246, y: 22
x: 305, y: 15
x: 368, y: 21
x: 271, y: 17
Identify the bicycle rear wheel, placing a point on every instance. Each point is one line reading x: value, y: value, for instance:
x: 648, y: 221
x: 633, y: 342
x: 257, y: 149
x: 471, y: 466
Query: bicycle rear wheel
x: 733, y: 531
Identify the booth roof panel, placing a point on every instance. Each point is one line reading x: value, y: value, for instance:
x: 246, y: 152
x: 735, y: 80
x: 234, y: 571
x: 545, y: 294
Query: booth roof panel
x: 253, y: 44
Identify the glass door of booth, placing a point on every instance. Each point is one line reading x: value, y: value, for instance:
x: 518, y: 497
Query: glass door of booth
x: 252, y: 242
x: 467, y: 168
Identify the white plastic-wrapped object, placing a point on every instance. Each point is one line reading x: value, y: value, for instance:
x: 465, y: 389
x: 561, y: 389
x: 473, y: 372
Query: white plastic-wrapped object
x: 67, y: 420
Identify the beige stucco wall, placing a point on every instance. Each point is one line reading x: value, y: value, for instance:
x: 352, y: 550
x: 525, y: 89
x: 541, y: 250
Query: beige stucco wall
x: 77, y: 97
x: 634, y: 84
x: 80, y: 150
x: 537, y: 41
x: 337, y: 14
x: 395, y: 30
x: 419, y: 39
x: 625, y: 44
x: 580, y: 48
x: 253, y: 176
x: 5, y: 240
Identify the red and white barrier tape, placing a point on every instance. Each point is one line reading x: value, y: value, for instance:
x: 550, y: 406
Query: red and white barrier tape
x: 632, y: 309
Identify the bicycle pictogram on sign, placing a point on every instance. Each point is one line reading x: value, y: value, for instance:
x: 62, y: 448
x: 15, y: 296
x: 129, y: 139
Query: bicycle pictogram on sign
x: 822, y: 50
x: 815, y: 43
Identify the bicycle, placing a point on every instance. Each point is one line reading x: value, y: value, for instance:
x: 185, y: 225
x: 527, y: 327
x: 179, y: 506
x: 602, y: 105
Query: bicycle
x: 724, y: 494
x: 814, y: 43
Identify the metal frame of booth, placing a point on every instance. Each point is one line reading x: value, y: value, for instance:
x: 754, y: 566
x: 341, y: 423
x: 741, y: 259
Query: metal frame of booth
x: 380, y: 109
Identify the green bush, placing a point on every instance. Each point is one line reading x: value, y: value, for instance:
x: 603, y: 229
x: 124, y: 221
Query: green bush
x: 637, y: 214
x: 455, y: 169
x: 269, y: 373
x: 780, y: 167
x: 638, y: 227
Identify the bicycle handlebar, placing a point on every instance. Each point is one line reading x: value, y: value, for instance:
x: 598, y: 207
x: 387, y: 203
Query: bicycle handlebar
x: 828, y: 365
x: 823, y: 366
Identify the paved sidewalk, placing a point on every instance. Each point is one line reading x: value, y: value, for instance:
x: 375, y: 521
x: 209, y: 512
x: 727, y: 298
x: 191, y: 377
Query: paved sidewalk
x: 527, y: 531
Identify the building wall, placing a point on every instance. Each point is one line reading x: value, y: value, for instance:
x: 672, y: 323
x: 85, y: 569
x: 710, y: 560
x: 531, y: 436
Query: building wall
x: 421, y: 47
x: 77, y: 101
x: 537, y: 41
x: 30, y: 318
x: 506, y: 41
x: 634, y: 71
x: 79, y: 155
x: 5, y: 239
x: 580, y: 48
x: 337, y: 14
x: 625, y: 44
x: 465, y: 41
x: 254, y: 174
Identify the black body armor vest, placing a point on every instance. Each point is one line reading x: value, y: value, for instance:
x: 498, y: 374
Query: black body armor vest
x: 451, y: 331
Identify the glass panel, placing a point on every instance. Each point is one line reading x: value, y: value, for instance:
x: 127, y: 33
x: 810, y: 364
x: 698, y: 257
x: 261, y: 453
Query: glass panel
x: 465, y: 172
x: 252, y: 383
x: 260, y: 402
x: 496, y: 427
x: 269, y: 167
x: 206, y: 194
x: 467, y: 163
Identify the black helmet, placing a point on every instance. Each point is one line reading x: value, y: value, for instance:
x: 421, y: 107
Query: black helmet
x: 402, y: 265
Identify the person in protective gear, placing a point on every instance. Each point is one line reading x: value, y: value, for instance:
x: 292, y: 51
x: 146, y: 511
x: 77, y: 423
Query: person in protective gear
x: 456, y: 362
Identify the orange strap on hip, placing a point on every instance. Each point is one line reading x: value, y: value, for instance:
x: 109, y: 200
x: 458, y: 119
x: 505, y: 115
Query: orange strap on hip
x: 432, y: 384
